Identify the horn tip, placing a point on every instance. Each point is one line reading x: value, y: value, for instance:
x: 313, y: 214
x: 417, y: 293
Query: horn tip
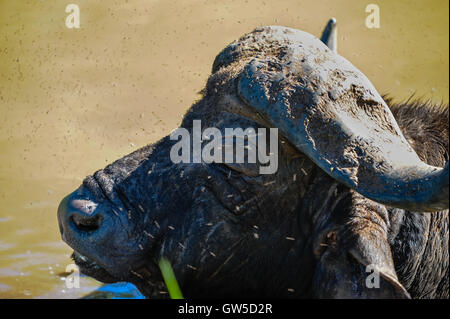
x: 329, y: 34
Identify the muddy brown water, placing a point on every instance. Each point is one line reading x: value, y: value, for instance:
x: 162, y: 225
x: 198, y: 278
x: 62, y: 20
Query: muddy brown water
x: 72, y: 101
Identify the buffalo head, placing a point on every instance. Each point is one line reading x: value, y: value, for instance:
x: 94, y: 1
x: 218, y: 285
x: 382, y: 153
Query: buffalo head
x: 312, y: 228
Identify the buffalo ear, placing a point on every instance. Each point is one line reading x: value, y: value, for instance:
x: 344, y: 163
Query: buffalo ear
x: 373, y: 253
x: 343, y: 277
x: 358, y: 265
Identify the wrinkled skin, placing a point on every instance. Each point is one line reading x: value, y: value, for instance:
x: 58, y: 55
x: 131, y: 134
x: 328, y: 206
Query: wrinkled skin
x: 229, y: 231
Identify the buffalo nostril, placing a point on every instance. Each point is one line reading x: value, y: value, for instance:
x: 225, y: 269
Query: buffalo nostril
x: 86, y: 223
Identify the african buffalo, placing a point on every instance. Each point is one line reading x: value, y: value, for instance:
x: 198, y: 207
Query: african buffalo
x: 359, y: 188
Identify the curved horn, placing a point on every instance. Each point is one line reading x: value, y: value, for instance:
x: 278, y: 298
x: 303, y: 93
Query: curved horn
x: 332, y: 113
x: 329, y: 35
